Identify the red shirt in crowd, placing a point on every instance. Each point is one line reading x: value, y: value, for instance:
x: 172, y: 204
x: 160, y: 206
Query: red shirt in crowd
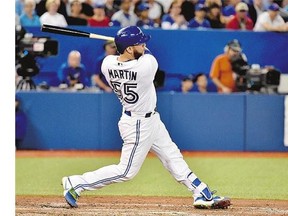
x: 95, y: 23
x: 235, y: 23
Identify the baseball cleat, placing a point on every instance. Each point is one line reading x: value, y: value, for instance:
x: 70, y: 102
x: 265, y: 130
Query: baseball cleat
x: 216, y: 203
x: 69, y: 193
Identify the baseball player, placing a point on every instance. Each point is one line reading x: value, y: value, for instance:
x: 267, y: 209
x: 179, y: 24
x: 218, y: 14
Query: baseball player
x: 131, y: 75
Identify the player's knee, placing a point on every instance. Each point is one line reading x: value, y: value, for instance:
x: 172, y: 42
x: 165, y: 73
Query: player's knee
x: 130, y: 175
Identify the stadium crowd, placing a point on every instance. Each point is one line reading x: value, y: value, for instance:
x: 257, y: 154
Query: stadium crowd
x: 233, y: 15
x: 251, y: 15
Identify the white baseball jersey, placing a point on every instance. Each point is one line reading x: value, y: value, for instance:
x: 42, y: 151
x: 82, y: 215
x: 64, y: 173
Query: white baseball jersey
x: 132, y: 81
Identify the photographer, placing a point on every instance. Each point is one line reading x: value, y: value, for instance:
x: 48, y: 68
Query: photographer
x: 222, y: 73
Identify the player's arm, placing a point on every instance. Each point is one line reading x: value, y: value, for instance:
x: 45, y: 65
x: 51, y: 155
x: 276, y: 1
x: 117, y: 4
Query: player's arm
x: 153, y: 64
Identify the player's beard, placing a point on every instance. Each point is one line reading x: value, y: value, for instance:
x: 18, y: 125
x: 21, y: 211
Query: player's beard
x: 137, y: 54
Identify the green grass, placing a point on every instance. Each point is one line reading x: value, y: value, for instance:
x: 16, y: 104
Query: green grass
x: 250, y: 178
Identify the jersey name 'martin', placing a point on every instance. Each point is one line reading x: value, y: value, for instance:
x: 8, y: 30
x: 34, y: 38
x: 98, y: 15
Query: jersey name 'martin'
x: 122, y: 74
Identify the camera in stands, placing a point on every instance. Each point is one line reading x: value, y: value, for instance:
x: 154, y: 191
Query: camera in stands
x: 254, y: 78
x: 28, y: 48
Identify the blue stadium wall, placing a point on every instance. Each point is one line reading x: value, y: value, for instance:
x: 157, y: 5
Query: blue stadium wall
x: 179, y: 52
x: 196, y: 122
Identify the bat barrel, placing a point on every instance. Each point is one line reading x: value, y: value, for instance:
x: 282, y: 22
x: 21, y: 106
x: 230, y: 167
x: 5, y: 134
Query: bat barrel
x: 63, y: 31
x: 73, y: 32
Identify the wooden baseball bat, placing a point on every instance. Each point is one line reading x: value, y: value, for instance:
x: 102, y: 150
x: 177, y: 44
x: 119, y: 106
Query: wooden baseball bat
x: 73, y: 32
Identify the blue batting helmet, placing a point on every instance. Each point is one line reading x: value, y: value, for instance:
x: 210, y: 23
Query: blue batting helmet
x: 130, y: 36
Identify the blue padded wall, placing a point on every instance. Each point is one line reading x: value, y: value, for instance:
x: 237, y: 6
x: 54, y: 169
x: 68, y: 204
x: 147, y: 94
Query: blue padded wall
x: 204, y: 122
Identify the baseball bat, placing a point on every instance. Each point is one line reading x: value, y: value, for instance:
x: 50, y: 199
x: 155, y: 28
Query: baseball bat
x: 73, y: 32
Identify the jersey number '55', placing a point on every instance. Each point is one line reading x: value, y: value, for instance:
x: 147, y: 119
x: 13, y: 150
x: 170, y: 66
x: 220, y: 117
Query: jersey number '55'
x: 128, y: 95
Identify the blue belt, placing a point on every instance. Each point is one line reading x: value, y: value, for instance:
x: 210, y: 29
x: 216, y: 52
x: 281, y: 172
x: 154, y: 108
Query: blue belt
x: 147, y: 115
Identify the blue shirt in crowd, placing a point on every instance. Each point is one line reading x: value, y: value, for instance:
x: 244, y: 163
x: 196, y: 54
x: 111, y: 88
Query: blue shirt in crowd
x: 67, y: 72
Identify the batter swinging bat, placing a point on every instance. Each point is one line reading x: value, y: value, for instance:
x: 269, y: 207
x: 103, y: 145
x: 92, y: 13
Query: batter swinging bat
x: 73, y: 32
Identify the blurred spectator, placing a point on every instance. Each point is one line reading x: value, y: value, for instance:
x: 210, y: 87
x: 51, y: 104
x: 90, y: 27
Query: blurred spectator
x: 285, y: 5
x: 19, y: 7
x: 208, y: 3
x: 224, y: 19
x: 267, y: 3
x: 124, y: 17
x: 200, y: 83
x: 110, y: 8
x: 199, y: 21
x: 52, y: 17
x: 41, y: 7
x: 98, y: 78
x: 221, y: 71
x: 72, y: 73
x: 186, y: 84
x: 20, y: 124
x: 144, y: 20
x: 241, y: 20
x: 17, y: 20
x: 29, y: 16
x: 215, y: 17
x: 87, y: 9
x: 188, y: 8
x: 98, y: 2
x: 256, y: 7
x: 284, y: 10
x: 229, y: 9
x: 271, y: 20
x: 165, y: 3
x: 75, y: 16
x: 134, y: 5
x: 99, y: 19
x: 174, y: 19
x: 156, y: 11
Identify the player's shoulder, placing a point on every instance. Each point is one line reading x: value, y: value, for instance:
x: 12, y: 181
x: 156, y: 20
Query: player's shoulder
x: 108, y: 60
x: 149, y: 58
x: 149, y: 55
